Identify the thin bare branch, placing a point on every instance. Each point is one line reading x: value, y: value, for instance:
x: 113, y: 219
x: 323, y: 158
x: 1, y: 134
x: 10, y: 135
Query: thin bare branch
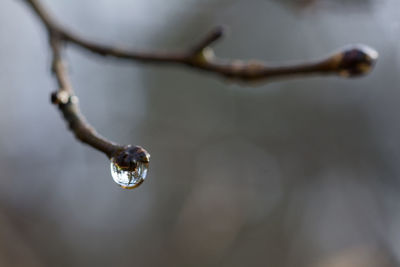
x: 68, y: 104
x: 126, y: 157
x: 351, y: 61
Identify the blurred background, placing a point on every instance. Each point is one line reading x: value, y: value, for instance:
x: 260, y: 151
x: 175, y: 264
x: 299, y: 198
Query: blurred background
x: 303, y: 172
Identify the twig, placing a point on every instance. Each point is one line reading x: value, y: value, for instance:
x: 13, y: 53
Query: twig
x: 350, y: 62
x: 68, y: 104
x: 126, y: 157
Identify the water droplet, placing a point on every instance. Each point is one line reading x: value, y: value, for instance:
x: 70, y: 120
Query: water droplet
x: 129, y: 178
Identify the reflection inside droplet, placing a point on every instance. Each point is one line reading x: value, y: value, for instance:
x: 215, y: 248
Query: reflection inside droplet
x: 129, y: 178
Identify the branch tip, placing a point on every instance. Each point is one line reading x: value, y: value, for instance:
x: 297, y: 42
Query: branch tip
x: 353, y: 60
x: 215, y: 34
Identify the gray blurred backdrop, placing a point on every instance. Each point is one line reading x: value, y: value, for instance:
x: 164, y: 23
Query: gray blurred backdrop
x: 302, y: 172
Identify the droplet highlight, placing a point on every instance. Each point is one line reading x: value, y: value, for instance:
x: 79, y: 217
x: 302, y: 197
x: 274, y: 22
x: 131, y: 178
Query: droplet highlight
x: 129, y: 178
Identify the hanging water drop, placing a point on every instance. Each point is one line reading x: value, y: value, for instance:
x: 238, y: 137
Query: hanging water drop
x: 129, y: 167
x: 129, y: 179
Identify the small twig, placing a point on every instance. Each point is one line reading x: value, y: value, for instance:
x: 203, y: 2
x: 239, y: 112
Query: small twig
x: 126, y: 157
x: 349, y: 62
x: 209, y: 39
x: 360, y: 61
x: 68, y: 104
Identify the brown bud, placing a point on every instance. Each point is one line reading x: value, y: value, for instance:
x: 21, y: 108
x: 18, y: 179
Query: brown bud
x: 354, y: 61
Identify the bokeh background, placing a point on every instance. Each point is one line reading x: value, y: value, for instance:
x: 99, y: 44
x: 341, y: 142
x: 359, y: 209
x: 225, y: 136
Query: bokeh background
x: 303, y: 172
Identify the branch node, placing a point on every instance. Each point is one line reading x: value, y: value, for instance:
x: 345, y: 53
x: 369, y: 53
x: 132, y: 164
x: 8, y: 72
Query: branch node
x: 206, y: 55
x: 62, y: 97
